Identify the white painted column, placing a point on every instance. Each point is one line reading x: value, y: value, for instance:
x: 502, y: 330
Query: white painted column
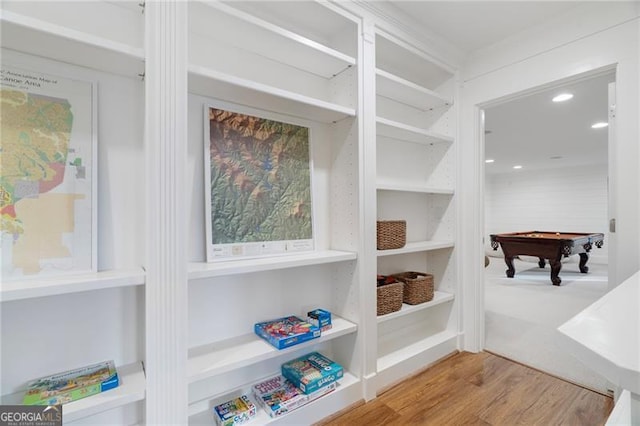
x: 369, y: 261
x: 470, y: 232
x: 166, y: 263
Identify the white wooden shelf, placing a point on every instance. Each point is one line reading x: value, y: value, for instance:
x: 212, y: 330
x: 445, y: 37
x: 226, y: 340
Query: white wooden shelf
x: 132, y: 388
x: 396, y: 88
x: 410, y: 93
x: 64, y: 284
x: 324, y: 22
x: 393, y: 186
x: 221, y: 357
x: 215, y: 84
x: 397, y: 357
x: 439, y: 298
x: 263, y: 38
x: 198, y: 270
x: 418, y: 246
x: 347, y: 390
x: 36, y: 37
x: 406, y: 60
x: 404, y: 132
x: 606, y: 335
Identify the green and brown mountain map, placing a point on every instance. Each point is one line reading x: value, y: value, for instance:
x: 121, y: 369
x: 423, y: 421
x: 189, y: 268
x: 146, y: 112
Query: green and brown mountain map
x: 260, y: 179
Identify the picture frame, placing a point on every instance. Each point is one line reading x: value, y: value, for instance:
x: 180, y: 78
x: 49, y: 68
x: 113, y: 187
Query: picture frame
x: 48, y: 178
x: 258, y: 185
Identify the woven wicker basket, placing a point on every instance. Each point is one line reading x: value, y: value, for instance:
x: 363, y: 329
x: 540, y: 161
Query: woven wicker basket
x: 418, y: 287
x: 391, y: 234
x: 390, y: 293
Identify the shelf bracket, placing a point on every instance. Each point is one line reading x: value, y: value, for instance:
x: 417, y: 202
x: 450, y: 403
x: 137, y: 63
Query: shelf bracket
x: 341, y: 71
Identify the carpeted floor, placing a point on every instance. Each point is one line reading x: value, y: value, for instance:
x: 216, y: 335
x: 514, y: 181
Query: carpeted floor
x: 522, y: 315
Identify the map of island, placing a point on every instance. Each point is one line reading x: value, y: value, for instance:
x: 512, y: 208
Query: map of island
x: 260, y: 180
x: 38, y: 191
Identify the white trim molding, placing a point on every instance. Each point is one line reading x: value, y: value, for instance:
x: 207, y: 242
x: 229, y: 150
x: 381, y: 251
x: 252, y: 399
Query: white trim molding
x: 166, y: 263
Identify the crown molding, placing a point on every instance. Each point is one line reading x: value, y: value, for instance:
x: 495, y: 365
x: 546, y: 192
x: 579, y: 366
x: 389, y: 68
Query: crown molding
x: 392, y: 19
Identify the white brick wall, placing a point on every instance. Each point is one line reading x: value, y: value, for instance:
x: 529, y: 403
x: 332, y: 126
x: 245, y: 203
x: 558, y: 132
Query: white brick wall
x: 570, y: 200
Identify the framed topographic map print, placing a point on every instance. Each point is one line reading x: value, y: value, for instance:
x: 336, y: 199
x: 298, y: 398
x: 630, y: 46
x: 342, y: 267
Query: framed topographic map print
x: 258, y: 186
x: 47, y: 174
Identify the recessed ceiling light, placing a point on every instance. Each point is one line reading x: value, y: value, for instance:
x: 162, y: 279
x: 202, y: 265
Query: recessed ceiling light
x: 562, y: 97
x: 599, y: 125
x: 489, y: 160
x: 517, y: 167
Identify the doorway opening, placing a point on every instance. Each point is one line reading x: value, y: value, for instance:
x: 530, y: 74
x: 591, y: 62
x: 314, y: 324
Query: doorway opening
x: 546, y: 170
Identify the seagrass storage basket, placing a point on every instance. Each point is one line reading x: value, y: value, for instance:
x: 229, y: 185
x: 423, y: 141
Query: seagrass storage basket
x: 418, y: 287
x: 390, y: 293
x: 391, y: 234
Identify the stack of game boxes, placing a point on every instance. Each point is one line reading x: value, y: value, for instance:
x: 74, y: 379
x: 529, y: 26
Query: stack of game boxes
x: 301, y: 381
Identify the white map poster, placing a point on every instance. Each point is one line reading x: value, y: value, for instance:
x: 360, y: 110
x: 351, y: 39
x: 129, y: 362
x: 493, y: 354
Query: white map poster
x: 258, y: 189
x: 47, y: 174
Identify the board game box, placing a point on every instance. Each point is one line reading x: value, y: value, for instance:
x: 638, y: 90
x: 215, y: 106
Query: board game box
x: 320, y: 318
x: 312, y: 372
x: 72, y: 385
x: 287, y: 331
x: 235, y: 412
x: 278, y: 396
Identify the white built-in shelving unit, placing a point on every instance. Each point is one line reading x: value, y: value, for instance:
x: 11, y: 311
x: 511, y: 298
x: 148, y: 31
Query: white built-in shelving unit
x: 289, y: 73
x: 274, y: 60
x: 52, y: 324
x: 415, y: 181
x: 304, y: 63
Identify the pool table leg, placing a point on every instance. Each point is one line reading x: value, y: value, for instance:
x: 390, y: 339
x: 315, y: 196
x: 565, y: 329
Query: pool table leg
x: 556, y: 265
x: 511, y: 271
x: 541, y: 262
x: 584, y: 258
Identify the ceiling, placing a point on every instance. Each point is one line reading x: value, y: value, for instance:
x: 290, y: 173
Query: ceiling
x: 527, y: 131
x: 537, y: 133
x: 472, y: 25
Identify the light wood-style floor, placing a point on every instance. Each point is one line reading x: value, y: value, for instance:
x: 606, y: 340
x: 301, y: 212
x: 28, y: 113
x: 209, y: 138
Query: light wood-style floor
x: 480, y: 389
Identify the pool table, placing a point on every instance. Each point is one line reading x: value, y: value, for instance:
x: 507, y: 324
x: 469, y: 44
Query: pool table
x: 546, y: 245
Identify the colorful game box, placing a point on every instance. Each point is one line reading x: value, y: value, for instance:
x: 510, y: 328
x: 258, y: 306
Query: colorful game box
x: 287, y: 331
x: 278, y: 396
x: 320, y: 318
x: 312, y: 372
x: 72, y: 385
x: 235, y: 412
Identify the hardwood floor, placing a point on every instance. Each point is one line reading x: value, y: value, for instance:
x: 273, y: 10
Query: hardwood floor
x: 480, y: 389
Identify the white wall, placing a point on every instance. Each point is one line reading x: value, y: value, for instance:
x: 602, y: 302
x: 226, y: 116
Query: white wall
x: 564, y: 199
x: 596, y: 36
